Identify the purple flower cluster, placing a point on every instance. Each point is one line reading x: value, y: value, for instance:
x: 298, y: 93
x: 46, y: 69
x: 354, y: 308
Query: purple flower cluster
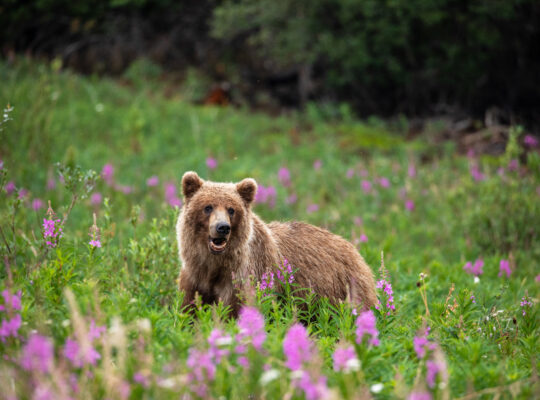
x: 52, y: 228
x: 251, y: 324
x: 284, y: 274
x: 297, y: 347
x: 266, y: 195
x: 299, y: 352
x: 476, y: 268
x: 422, y: 344
x: 284, y: 176
x: 202, y: 370
x: 312, y: 208
x: 345, y: 360
x: 94, y: 235
x: 530, y: 141
x: 211, y: 163
x: 171, y: 195
x: 217, y: 341
x: 12, y: 321
x: 366, y: 325
x: 366, y: 186
x: 504, y: 268
x: 388, y: 295
x: 476, y: 174
x: 83, y: 352
x: 37, y: 354
x: 525, y: 304
x: 107, y: 173
x: 435, y: 364
x: 152, y: 181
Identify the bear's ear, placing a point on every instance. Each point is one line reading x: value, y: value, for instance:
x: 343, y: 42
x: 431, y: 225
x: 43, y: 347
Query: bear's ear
x: 190, y: 184
x: 247, y: 189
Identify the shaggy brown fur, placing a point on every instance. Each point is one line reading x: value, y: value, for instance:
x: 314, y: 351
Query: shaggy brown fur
x: 221, y: 240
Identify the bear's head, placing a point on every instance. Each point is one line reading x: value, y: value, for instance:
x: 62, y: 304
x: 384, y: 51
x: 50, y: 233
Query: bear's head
x: 217, y: 214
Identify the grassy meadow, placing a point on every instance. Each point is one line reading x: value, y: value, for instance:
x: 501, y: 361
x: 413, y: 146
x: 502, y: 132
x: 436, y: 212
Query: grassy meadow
x: 458, y: 234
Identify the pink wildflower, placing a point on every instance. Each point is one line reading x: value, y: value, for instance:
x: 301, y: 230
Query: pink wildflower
x: 23, y: 193
x: 350, y: 173
x: 312, y: 208
x: 52, y: 231
x: 107, y: 174
x: 141, y: 379
x: 411, y: 170
x: 292, y: 199
x: 96, y: 199
x: 12, y: 301
x: 420, y: 396
x: 217, y: 340
x: 476, y: 268
x: 37, y: 354
x: 171, y: 195
x: 10, y: 327
x: 267, y: 281
x: 152, y: 181
x: 37, y: 204
x: 80, y: 355
x: 211, y: 163
x: 363, y: 238
x: 366, y: 186
x: 476, y: 173
x: 358, y: 221
x: 433, y: 368
x: 384, y: 182
x: 297, y: 347
x: 344, y: 358
x: 251, y: 324
x: 284, y: 176
x: 94, y: 234
x: 409, y: 205
x: 51, y: 183
x: 472, y: 299
x: 313, y: 388
x: 266, y: 195
x: 513, y: 165
x: 366, y: 325
x: 202, y: 370
x: 317, y: 164
x: 388, y: 294
x: 10, y: 187
x: 530, y: 141
x: 504, y: 267
x: 525, y: 303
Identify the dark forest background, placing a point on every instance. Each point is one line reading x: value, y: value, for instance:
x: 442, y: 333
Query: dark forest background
x: 383, y: 57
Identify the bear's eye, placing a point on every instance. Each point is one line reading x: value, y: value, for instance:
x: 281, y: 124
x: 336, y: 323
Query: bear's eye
x: 231, y: 211
x: 208, y: 209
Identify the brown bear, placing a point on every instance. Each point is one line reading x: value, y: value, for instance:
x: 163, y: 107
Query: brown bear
x: 222, y: 241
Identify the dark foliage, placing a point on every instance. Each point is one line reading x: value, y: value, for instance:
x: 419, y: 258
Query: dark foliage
x: 385, y: 57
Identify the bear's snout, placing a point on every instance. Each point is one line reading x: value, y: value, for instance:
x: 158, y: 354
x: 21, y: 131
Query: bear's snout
x: 223, y: 228
x: 220, y: 229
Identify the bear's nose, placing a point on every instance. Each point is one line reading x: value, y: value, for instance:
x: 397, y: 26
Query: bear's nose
x: 223, y: 228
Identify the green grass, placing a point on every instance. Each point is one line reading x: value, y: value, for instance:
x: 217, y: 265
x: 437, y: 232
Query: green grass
x: 86, y: 121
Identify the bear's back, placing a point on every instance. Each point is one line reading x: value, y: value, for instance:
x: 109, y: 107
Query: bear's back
x: 326, y: 262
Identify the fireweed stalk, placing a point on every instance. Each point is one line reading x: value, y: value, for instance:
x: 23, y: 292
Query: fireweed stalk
x: 284, y: 275
x: 94, y: 235
x: 52, y: 228
x: 386, y: 306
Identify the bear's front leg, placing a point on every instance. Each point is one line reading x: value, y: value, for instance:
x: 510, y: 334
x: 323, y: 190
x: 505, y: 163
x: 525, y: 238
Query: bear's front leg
x: 189, y: 290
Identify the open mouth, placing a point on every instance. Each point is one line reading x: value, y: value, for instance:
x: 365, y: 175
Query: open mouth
x: 217, y: 245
